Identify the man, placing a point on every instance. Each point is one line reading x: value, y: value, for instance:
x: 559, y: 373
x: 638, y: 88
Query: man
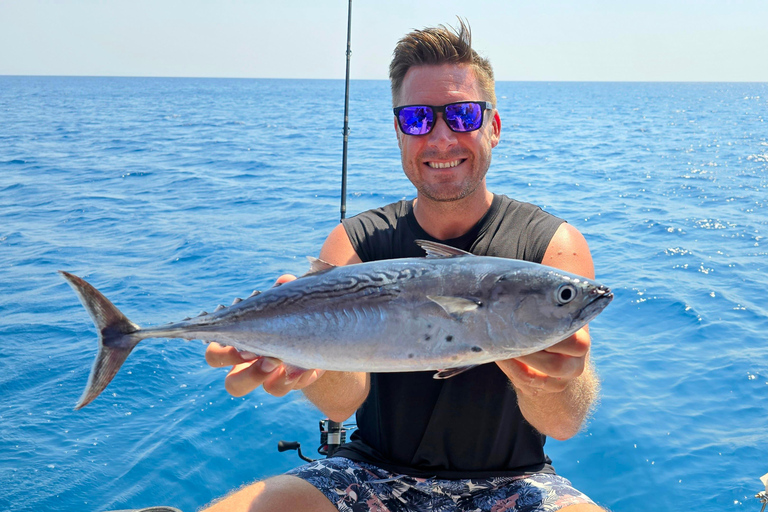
x: 474, y: 441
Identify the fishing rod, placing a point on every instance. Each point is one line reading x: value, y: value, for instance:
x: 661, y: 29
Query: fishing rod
x: 333, y: 434
x: 346, y: 117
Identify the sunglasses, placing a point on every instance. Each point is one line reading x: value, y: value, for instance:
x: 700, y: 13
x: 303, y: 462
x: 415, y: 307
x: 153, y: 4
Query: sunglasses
x: 462, y: 116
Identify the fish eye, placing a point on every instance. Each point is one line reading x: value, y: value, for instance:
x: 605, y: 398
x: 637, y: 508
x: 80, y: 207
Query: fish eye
x: 565, y: 294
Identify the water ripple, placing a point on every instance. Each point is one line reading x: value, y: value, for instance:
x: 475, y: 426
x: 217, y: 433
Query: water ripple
x: 174, y: 195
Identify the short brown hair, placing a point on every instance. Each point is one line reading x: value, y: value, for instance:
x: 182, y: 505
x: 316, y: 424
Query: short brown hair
x: 436, y: 46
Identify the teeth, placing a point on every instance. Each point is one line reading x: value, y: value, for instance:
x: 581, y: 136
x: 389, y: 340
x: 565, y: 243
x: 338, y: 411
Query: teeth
x: 443, y: 165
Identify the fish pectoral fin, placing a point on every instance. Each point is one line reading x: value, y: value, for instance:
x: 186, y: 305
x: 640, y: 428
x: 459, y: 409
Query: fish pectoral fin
x: 438, y: 250
x: 317, y: 265
x: 456, y: 307
x: 452, y: 372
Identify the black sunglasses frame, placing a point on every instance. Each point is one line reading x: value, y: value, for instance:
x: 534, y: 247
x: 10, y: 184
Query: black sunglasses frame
x: 485, y: 105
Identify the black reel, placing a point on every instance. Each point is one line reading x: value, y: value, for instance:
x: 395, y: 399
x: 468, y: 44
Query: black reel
x: 332, y: 435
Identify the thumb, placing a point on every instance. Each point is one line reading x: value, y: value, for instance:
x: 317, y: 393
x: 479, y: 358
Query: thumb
x: 285, y: 278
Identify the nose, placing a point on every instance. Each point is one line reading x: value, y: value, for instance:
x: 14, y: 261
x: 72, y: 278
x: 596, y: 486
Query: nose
x: 441, y: 136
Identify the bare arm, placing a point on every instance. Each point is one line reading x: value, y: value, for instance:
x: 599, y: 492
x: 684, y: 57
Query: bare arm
x: 336, y: 394
x: 556, y: 387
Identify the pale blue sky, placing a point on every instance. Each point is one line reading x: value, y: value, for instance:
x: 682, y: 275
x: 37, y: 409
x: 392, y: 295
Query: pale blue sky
x: 651, y: 40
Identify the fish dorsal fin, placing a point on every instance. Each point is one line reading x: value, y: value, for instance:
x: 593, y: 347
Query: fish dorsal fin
x: 438, y: 250
x: 457, y: 307
x: 317, y: 265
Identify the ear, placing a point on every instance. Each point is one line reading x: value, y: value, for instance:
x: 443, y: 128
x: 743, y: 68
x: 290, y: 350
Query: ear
x: 496, y: 129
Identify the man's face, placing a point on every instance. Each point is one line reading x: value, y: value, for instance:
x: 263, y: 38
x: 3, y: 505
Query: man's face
x: 444, y: 165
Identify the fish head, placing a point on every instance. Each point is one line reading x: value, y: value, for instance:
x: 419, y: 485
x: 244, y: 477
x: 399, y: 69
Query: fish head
x: 543, y: 305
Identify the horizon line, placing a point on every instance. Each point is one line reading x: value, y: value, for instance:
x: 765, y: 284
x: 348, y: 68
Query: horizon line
x: 374, y: 79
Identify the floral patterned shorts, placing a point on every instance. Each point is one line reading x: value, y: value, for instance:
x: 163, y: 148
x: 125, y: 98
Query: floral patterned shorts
x: 356, y: 487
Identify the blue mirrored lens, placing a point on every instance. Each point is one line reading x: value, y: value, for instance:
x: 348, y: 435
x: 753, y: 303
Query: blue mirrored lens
x: 460, y: 117
x: 416, y: 120
x: 464, y: 117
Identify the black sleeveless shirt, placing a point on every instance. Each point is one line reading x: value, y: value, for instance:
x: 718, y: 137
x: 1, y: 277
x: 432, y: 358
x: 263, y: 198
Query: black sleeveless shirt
x: 467, y: 426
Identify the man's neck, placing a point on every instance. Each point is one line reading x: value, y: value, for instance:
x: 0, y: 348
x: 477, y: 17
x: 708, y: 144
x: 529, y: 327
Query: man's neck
x: 451, y: 219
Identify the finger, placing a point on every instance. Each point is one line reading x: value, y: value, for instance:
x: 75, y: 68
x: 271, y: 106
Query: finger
x: 528, y: 380
x: 576, y: 345
x: 276, y: 383
x: 219, y: 356
x: 285, y: 278
x: 308, y: 378
x: 554, y: 365
x: 564, y: 359
x: 299, y: 380
x: 281, y: 381
x: 520, y: 373
x: 244, y: 378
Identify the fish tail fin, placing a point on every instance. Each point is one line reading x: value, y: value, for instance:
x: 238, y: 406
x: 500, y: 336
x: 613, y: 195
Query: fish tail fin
x: 117, y: 337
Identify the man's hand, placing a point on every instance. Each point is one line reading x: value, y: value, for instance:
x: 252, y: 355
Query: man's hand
x: 550, y: 370
x: 555, y: 387
x: 249, y: 371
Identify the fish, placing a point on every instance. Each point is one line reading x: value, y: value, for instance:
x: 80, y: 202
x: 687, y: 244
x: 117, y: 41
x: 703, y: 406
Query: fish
x: 447, y: 312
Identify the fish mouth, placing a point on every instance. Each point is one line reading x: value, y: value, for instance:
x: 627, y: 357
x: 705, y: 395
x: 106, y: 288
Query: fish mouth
x: 600, y: 297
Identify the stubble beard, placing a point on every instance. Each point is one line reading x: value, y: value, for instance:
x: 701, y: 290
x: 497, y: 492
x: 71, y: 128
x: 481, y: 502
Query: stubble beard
x: 444, y: 193
x: 448, y: 192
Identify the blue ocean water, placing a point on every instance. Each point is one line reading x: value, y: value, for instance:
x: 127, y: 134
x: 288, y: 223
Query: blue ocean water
x: 174, y: 195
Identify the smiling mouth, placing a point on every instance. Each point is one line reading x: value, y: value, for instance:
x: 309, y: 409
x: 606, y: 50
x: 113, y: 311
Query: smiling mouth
x: 444, y: 165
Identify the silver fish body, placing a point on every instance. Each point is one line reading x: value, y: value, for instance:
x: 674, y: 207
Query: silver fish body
x: 412, y: 314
